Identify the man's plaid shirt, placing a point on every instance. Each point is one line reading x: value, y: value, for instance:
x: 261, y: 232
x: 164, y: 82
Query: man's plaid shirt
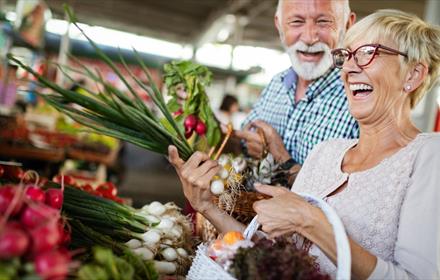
x: 322, y: 114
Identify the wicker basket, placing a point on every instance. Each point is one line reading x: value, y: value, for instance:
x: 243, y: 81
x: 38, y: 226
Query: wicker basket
x: 242, y: 210
x: 203, y: 267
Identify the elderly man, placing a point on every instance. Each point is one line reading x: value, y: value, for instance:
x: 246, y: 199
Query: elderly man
x: 304, y: 104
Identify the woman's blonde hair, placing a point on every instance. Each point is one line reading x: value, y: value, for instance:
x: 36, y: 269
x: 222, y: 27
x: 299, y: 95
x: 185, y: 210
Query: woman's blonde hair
x: 413, y: 36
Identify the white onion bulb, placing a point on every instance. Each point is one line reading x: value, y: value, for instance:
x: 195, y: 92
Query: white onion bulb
x: 151, y: 237
x: 182, y: 252
x: 169, y: 254
x: 133, y: 244
x: 165, y: 267
x: 156, y: 208
x: 144, y: 253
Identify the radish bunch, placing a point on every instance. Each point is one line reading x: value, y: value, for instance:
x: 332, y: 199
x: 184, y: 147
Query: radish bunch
x: 193, y: 123
x: 31, y: 228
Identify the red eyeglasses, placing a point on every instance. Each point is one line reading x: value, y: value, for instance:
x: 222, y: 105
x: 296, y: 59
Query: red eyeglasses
x: 363, y: 55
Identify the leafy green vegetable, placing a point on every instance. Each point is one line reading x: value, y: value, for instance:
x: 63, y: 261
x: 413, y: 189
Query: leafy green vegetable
x: 193, y: 79
x: 106, y: 266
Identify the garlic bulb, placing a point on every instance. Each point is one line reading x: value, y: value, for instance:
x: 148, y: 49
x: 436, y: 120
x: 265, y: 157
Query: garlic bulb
x: 239, y: 164
x: 223, y: 160
x: 217, y: 187
x: 223, y: 173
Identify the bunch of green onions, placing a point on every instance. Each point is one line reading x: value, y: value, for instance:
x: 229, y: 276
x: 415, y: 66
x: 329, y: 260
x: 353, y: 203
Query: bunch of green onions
x: 112, y: 112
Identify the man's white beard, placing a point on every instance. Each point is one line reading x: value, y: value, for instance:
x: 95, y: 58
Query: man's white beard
x: 310, y: 70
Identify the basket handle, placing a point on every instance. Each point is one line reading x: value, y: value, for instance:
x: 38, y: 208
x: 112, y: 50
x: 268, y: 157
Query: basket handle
x: 342, y: 244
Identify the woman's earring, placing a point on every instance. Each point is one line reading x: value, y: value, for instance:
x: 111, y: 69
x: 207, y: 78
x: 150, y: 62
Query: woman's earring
x: 407, y: 87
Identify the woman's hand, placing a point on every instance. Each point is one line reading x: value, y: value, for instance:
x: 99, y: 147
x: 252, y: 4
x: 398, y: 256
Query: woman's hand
x: 195, y: 175
x: 286, y: 213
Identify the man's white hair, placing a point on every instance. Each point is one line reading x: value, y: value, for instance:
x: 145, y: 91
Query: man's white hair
x: 347, y: 10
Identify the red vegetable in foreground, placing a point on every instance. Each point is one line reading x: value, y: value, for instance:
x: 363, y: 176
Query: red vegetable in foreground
x: 7, y: 194
x: 52, y: 265
x: 54, y: 198
x: 45, y: 237
x: 34, y: 193
x: 13, y: 242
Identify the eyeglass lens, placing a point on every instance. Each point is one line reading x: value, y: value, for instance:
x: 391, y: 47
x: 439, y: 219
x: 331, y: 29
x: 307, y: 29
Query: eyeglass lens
x: 362, y: 56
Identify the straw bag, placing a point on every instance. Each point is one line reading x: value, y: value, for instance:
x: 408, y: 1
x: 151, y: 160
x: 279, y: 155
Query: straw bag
x: 203, y: 267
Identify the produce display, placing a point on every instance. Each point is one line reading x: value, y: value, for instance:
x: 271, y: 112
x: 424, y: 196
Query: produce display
x: 41, y: 221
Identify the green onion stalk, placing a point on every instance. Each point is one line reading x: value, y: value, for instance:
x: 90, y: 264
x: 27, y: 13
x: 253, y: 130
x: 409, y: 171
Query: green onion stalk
x: 125, y: 116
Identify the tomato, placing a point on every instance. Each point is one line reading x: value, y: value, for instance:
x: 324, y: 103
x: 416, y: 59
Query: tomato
x: 107, y: 190
x: 68, y: 180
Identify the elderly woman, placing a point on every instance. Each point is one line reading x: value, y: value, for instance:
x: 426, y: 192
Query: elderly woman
x: 384, y: 186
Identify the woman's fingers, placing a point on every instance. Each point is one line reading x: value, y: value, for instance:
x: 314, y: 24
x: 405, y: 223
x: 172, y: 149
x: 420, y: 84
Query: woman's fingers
x: 196, y: 158
x: 174, y: 158
x: 193, y: 175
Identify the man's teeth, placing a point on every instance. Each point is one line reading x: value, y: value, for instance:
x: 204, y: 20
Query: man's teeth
x: 354, y: 87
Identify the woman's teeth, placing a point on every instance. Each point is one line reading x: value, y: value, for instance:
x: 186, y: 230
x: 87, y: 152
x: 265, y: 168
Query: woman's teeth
x: 361, y: 89
x: 354, y: 87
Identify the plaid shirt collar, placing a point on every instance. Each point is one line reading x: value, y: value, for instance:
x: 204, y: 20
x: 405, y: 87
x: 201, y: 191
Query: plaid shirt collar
x: 289, y: 79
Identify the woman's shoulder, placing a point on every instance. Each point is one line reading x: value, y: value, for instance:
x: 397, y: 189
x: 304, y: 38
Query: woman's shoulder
x: 429, y: 146
x: 332, y: 147
x: 329, y: 152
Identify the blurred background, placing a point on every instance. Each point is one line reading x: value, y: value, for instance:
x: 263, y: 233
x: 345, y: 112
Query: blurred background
x: 236, y: 39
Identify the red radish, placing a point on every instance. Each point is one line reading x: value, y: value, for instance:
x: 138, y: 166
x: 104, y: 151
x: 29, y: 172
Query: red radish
x: 188, y: 132
x: 38, y: 214
x: 46, y: 237
x: 52, y: 265
x: 65, y: 233
x: 34, y: 193
x: 200, y: 128
x: 7, y: 194
x: 190, y: 122
x: 175, y: 114
x: 13, y: 242
x: 54, y: 198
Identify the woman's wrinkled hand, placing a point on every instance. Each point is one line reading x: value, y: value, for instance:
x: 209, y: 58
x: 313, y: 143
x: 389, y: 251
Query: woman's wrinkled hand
x: 195, y: 175
x: 285, y: 213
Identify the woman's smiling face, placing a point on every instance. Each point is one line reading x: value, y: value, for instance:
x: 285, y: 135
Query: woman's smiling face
x: 374, y: 91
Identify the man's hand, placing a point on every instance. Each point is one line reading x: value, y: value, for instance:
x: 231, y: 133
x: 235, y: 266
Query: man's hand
x: 269, y: 140
x: 255, y: 142
x: 195, y: 175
